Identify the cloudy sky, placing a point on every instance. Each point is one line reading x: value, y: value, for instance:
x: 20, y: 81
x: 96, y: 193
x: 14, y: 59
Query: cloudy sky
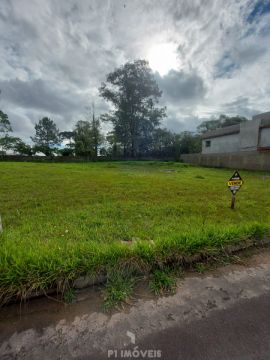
x: 209, y: 56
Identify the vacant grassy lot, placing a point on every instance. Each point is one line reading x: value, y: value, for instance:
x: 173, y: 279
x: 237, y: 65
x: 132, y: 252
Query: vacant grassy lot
x: 64, y: 220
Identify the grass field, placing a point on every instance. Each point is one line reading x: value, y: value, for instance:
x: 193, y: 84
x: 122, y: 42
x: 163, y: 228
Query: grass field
x: 64, y: 220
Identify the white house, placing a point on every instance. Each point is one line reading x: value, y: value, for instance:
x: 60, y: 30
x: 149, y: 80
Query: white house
x: 253, y: 135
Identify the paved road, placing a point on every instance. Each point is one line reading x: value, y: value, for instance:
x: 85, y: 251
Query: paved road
x: 224, y: 314
x: 241, y: 332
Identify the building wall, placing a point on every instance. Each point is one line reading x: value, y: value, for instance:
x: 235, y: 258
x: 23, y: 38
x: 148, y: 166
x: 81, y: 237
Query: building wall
x: 244, y: 160
x: 247, y: 139
x: 222, y: 144
x: 249, y: 133
x: 265, y: 137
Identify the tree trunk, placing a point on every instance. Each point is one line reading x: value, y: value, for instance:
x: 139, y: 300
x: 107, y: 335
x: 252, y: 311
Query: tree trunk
x: 133, y: 152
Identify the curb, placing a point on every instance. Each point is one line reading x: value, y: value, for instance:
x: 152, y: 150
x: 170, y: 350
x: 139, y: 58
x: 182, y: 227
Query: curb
x: 87, y: 281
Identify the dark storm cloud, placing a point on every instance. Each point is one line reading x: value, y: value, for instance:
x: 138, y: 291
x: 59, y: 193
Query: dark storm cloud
x: 37, y: 94
x: 179, y: 87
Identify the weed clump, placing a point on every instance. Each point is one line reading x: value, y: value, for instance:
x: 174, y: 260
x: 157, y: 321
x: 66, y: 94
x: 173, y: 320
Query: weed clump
x: 163, y: 281
x: 119, y: 288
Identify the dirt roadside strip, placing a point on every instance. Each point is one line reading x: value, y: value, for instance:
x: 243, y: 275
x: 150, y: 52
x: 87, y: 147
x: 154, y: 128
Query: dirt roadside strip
x: 92, y: 334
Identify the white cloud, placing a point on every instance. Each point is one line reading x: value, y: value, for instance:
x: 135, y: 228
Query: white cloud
x: 54, y: 55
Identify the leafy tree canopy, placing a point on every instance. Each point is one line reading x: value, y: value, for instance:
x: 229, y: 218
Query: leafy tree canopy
x: 5, y: 125
x: 22, y: 148
x: 83, y: 138
x: 8, y: 142
x: 133, y: 92
x: 67, y: 135
x: 87, y: 138
x: 221, y: 122
x: 47, y: 136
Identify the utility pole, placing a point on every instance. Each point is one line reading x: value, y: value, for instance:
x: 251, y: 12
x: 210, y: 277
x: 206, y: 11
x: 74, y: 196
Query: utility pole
x: 94, y: 130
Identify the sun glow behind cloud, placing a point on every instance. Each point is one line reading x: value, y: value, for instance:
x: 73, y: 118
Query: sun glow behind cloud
x: 162, y: 58
x: 218, y: 51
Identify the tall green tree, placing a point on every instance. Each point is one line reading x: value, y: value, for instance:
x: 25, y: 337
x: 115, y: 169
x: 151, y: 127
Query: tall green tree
x: 134, y: 93
x: 6, y: 141
x: 67, y: 135
x: 47, y: 137
x: 22, y: 148
x: 87, y: 138
x: 163, y: 142
x: 5, y: 126
x: 114, y: 148
x: 187, y: 143
x: 83, y: 139
x: 69, y: 147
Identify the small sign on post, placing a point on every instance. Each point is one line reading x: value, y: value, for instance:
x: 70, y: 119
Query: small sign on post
x: 234, y: 184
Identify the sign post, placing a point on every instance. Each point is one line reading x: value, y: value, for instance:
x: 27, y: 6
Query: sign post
x: 233, y: 201
x: 234, y: 184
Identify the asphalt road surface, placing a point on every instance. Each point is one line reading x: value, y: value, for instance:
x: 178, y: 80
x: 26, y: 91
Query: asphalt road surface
x: 224, y: 314
x: 240, y: 332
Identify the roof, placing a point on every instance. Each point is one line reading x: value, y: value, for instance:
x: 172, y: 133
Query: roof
x: 263, y: 117
x: 265, y: 122
x: 228, y: 130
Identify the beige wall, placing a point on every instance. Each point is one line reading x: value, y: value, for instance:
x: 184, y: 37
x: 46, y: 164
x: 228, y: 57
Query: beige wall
x: 265, y: 137
x: 246, y: 160
x: 222, y: 144
x: 249, y: 133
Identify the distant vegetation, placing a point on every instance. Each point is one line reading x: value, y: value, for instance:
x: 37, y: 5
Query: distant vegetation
x: 221, y: 122
x: 62, y: 221
x: 136, y: 120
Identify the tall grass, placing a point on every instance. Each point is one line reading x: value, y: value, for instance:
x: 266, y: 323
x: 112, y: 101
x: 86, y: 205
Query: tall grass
x: 23, y: 272
x: 62, y: 221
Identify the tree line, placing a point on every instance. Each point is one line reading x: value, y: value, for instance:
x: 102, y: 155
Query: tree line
x: 136, y: 119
